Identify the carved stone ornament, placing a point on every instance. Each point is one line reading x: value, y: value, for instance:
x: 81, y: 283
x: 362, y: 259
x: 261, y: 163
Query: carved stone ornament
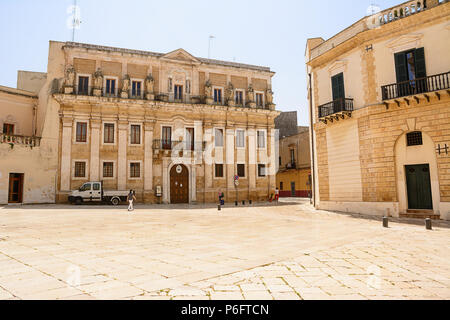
x: 126, y: 83
x: 70, y: 76
x: 251, y: 93
x: 269, y: 96
x: 125, y: 87
x: 229, y: 92
x: 98, y: 79
x: 208, y: 92
x: 149, y: 84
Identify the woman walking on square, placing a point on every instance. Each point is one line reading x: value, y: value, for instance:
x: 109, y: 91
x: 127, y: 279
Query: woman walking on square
x: 131, y: 198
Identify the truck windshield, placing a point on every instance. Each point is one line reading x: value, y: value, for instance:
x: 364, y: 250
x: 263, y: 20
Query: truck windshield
x: 85, y: 187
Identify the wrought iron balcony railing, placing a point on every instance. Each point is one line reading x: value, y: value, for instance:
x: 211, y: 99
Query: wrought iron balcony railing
x: 343, y: 105
x: 178, y: 145
x: 20, y: 140
x: 417, y: 86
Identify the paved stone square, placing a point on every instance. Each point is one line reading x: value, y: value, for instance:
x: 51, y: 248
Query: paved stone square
x: 266, y: 252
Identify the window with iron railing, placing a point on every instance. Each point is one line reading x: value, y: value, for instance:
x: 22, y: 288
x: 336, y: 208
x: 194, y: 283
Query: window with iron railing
x: 108, y: 169
x: 80, y: 169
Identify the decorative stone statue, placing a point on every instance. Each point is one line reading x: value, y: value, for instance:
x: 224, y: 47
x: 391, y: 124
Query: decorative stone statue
x: 149, y: 87
x: 208, y: 92
x: 98, y: 83
x: 269, y: 96
x: 69, y: 80
x: 251, y: 97
x: 125, y: 87
x: 229, y: 95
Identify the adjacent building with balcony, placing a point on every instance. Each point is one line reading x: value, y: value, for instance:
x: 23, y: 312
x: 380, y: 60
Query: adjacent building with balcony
x: 28, y: 151
x: 147, y: 121
x: 379, y: 94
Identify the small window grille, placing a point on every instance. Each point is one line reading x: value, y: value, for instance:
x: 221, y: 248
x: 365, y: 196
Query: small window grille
x: 414, y: 139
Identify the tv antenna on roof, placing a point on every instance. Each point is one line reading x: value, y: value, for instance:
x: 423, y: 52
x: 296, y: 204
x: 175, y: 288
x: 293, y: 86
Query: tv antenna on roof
x: 373, y: 9
x: 74, y: 21
x: 209, y: 46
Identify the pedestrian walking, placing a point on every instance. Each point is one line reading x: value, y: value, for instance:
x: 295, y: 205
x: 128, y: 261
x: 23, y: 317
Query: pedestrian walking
x: 277, y: 195
x: 131, y: 198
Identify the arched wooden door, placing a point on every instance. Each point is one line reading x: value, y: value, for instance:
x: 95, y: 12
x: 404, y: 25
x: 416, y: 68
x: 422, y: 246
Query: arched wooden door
x: 179, y: 184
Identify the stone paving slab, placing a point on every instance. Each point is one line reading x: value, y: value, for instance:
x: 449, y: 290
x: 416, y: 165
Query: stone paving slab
x: 284, y: 252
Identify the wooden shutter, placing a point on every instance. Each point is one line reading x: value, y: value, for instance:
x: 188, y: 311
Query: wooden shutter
x: 337, y: 84
x: 400, y: 67
x: 419, y: 56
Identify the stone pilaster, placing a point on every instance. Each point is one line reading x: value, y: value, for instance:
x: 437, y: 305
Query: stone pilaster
x: 94, y: 162
x: 230, y: 157
x: 122, y: 141
x: 208, y: 156
x: 148, y: 156
x: 252, y: 157
x: 66, y: 150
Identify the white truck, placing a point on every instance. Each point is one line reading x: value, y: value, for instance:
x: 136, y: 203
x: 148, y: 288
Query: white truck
x: 93, y: 192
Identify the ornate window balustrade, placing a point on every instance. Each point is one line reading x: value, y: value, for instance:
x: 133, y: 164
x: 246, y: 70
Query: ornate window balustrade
x: 20, y: 140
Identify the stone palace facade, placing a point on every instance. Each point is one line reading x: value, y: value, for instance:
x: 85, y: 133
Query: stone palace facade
x: 173, y: 125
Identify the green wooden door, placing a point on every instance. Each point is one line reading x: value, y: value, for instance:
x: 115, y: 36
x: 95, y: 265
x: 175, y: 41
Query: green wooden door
x: 418, y: 185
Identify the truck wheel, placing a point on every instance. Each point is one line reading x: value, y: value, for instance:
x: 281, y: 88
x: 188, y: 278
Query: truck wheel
x: 115, y: 202
x: 78, y: 201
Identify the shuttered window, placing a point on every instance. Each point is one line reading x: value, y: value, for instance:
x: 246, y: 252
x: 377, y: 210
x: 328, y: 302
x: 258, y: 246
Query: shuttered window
x: 337, y: 84
x: 135, y: 134
x: 81, y: 135
x: 219, y: 170
x: 218, y: 137
x: 109, y: 133
x: 241, y: 170
x: 410, y: 65
x: 240, y: 138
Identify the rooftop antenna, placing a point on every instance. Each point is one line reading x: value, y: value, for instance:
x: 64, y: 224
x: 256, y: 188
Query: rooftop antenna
x: 74, y: 21
x: 373, y: 9
x: 209, y: 46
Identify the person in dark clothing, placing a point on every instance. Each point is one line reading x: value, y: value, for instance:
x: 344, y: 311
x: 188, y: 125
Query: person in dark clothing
x: 131, y: 198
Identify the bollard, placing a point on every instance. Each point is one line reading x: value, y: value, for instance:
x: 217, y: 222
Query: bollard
x: 243, y: 202
x: 428, y: 224
x: 236, y: 203
x: 385, y: 222
x: 219, y: 208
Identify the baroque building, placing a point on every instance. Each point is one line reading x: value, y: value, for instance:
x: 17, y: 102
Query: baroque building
x: 379, y: 94
x: 173, y: 127
x: 186, y: 126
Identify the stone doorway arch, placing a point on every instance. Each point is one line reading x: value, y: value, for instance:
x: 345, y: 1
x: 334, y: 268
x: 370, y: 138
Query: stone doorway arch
x: 409, y: 156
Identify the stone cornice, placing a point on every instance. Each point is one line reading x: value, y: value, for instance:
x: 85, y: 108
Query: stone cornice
x: 73, y: 100
x: 393, y: 29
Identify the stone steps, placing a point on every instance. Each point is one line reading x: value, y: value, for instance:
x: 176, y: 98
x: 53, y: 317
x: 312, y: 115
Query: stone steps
x: 420, y: 214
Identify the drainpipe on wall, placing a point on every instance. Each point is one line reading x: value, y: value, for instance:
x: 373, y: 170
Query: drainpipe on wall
x: 311, y: 129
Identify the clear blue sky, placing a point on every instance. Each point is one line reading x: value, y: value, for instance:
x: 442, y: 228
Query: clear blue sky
x: 263, y: 32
